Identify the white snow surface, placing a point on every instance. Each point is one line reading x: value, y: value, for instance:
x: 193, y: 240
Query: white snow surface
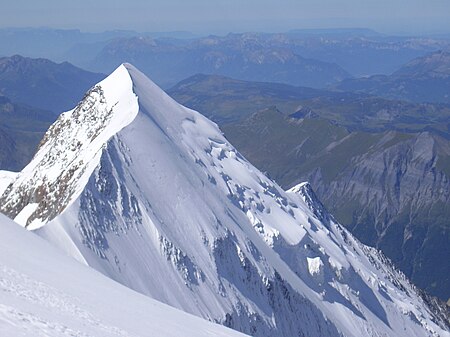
x: 6, y: 178
x: 315, y: 265
x: 162, y: 203
x: 47, y: 293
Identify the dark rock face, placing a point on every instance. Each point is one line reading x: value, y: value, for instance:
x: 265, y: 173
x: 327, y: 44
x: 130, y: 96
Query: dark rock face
x: 397, y: 199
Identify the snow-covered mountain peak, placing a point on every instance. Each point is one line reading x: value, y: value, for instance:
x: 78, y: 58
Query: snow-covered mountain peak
x: 306, y: 192
x: 69, y: 152
x: 71, y: 148
x: 161, y: 202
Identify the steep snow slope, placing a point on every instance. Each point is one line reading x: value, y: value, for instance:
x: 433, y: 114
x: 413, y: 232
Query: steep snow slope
x: 152, y: 195
x: 48, y: 294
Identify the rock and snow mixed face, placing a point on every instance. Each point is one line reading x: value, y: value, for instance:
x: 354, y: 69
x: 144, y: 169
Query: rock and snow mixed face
x: 69, y: 153
x: 151, y: 194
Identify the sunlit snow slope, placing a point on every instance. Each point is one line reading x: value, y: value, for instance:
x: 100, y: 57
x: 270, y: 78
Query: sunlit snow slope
x: 48, y: 294
x: 152, y: 195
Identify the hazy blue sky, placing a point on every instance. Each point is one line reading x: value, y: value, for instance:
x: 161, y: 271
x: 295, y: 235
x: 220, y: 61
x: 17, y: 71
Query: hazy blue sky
x: 228, y: 15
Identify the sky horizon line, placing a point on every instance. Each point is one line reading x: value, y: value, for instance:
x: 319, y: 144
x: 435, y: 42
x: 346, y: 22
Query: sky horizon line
x: 415, y: 17
x: 237, y: 31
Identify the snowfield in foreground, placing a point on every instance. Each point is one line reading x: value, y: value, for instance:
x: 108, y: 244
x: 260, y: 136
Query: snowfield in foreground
x: 152, y: 195
x: 45, y: 293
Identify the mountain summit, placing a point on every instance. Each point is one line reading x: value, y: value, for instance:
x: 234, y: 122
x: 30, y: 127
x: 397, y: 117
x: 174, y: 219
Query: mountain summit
x: 152, y: 195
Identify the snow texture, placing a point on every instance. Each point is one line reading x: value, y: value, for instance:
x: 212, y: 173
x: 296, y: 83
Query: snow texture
x: 6, y: 178
x: 154, y: 197
x: 45, y: 293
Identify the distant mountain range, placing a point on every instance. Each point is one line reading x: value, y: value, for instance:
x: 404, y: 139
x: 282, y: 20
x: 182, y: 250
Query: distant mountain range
x: 244, y: 56
x: 358, y: 53
x: 236, y: 99
x: 365, y: 54
x: 317, y: 57
x: 425, y: 79
x: 44, y: 84
x: 344, y: 33
x: 21, y: 129
x: 229, y: 100
x: 382, y: 167
x: 57, y: 44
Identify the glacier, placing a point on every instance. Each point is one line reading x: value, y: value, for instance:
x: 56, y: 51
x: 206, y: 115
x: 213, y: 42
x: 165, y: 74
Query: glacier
x: 152, y: 195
